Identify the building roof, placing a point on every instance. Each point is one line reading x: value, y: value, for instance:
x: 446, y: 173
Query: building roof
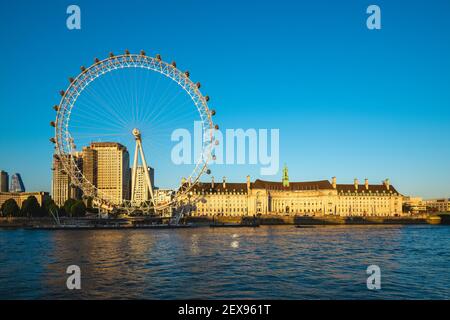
x: 108, y: 144
x: 218, y: 187
x: 380, y: 188
x: 307, y: 185
x: 293, y: 186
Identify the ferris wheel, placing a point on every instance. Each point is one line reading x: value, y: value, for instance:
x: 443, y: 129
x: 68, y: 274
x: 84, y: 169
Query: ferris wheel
x: 133, y: 108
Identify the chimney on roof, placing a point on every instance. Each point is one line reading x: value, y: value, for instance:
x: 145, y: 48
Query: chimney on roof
x: 212, y: 182
x: 387, y: 183
x: 224, y: 183
x: 355, y: 182
x: 366, y: 183
x: 248, y: 182
x: 333, y: 182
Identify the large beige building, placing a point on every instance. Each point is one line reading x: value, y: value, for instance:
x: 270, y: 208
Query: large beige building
x: 113, y: 171
x: 313, y: 198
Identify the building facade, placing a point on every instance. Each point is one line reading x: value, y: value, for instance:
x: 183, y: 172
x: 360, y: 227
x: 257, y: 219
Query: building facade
x: 142, y: 192
x: 4, y: 181
x: 20, y: 197
x: 414, y: 205
x: 113, y: 171
x: 312, y: 198
x: 62, y: 187
x: 439, y: 205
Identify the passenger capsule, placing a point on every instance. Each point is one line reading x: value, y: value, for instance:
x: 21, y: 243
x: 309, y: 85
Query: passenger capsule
x: 52, y: 123
x: 111, y: 55
x: 52, y: 140
x: 216, y: 127
x: 82, y: 68
x: 213, y: 112
x: 56, y: 107
x: 207, y: 98
x: 158, y: 57
x: 187, y: 74
x: 62, y: 92
x: 174, y: 64
x: 208, y: 171
x: 71, y: 80
x: 127, y: 52
x: 142, y: 53
x: 96, y: 60
x: 214, y: 157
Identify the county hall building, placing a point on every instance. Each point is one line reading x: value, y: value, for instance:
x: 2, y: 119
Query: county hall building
x: 312, y: 198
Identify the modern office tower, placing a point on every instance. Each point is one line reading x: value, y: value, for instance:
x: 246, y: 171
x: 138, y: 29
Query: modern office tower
x: 142, y: 193
x: 113, y: 171
x: 89, y: 156
x: 62, y: 186
x: 4, y: 181
x: 16, y: 183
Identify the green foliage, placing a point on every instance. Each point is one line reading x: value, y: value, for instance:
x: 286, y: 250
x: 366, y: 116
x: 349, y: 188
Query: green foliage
x: 31, y: 207
x: 10, y: 208
x: 68, y: 206
x: 49, y: 206
x: 78, y: 209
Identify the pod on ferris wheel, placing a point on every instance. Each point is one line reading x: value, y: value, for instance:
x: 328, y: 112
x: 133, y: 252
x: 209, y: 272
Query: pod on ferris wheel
x: 52, y: 123
x: 127, y: 52
x: 71, y: 79
x: 158, y: 57
x: 52, y: 140
x: 56, y: 107
x: 187, y: 74
x: 83, y: 68
x: 96, y: 60
x: 208, y: 171
x: 213, y: 112
x: 62, y: 92
x: 142, y: 53
x: 216, y: 127
x: 206, y: 98
x: 198, y: 85
x: 111, y: 55
x: 174, y: 64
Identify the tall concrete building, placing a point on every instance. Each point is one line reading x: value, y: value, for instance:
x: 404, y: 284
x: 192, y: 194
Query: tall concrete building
x: 89, y: 157
x: 142, y: 193
x: 113, y: 170
x: 62, y: 188
x: 16, y: 183
x: 4, y: 181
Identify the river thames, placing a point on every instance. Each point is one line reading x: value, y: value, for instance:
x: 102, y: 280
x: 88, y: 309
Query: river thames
x: 270, y: 262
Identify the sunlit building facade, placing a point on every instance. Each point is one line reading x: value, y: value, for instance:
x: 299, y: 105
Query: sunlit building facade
x: 113, y: 170
x: 62, y: 187
x: 312, y: 198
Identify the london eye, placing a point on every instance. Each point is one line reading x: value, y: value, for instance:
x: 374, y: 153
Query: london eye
x: 137, y: 101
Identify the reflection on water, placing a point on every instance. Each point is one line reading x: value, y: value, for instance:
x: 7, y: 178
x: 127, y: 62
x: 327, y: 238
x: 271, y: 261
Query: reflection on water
x: 281, y: 262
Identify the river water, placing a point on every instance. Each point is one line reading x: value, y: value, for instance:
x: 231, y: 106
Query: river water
x: 270, y: 262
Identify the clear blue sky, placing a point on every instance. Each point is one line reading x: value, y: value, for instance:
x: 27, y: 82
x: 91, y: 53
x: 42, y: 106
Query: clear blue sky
x: 349, y: 102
